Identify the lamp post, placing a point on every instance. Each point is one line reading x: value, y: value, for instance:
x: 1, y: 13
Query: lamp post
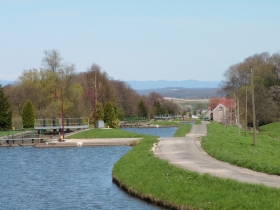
x: 253, y: 107
x: 94, y: 102
x: 62, y: 110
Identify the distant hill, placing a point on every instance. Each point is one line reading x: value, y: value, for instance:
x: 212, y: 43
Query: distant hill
x: 5, y: 82
x: 184, y: 93
x: 144, y: 85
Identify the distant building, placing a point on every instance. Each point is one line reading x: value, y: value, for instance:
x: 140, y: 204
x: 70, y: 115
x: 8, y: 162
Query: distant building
x: 224, y: 111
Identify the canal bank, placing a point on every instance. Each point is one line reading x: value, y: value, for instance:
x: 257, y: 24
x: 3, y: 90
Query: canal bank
x: 142, y: 174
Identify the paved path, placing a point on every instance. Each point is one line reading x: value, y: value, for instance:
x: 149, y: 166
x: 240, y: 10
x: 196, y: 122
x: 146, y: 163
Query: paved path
x: 187, y: 153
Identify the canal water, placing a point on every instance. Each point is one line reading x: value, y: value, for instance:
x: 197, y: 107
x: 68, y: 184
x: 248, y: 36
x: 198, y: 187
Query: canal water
x: 64, y: 178
x: 160, y: 132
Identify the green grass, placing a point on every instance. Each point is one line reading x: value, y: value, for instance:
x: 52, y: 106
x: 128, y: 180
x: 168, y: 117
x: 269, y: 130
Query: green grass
x: 271, y: 129
x: 11, y: 132
x: 104, y: 133
x: 5, y: 133
x: 223, y: 143
x: 183, y: 130
x: 145, y: 175
x: 165, y: 123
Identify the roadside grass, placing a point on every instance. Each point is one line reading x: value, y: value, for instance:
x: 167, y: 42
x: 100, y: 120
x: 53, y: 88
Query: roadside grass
x: 183, y: 130
x: 104, y: 133
x: 223, y: 143
x: 150, y: 178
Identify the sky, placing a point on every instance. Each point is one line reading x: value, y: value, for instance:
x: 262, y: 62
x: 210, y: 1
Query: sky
x: 133, y: 40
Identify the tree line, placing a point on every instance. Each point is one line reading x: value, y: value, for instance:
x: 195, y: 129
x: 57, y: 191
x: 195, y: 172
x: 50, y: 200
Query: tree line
x: 262, y: 70
x: 38, y: 86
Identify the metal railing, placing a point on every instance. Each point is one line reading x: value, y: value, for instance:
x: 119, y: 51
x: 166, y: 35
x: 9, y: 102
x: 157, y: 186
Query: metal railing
x: 56, y: 123
x: 167, y: 116
x: 135, y: 119
x: 22, y: 137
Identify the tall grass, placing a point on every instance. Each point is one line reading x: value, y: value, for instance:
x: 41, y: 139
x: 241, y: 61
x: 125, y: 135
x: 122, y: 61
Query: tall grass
x: 223, y: 143
x: 148, y: 177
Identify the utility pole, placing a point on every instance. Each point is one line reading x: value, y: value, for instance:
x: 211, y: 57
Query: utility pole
x: 253, y: 107
x: 246, y: 112
x: 237, y: 100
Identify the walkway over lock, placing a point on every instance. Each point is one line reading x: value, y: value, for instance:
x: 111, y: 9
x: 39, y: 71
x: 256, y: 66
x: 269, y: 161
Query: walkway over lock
x: 167, y: 117
x: 21, y: 137
x: 56, y: 123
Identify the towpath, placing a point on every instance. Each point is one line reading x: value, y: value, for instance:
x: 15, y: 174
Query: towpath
x: 186, y: 152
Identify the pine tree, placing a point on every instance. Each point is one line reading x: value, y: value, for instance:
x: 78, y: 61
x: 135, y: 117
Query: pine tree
x: 110, y: 116
x: 28, y: 115
x: 142, y: 110
x: 5, y: 112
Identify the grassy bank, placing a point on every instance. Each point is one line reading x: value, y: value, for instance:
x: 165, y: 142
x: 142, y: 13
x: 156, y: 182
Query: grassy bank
x: 142, y: 174
x: 271, y: 130
x: 223, y: 143
x: 104, y: 133
x: 183, y: 130
x: 165, y: 123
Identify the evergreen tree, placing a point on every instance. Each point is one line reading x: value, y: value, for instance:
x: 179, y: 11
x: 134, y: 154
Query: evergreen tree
x: 158, y: 108
x: 99, y: 113
x: 5, y: 112
x: 110, y: 116
x: 28, y: 115
x: 142, y: 110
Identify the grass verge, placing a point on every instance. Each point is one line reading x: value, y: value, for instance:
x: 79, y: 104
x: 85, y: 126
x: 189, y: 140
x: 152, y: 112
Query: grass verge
x: 142, y: 174
x: 223, y: 143
x: 183, y: 130
x: 104, y: 133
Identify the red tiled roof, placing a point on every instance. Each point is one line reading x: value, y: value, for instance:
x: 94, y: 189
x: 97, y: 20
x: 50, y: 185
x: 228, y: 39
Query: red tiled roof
x: 229, y: 103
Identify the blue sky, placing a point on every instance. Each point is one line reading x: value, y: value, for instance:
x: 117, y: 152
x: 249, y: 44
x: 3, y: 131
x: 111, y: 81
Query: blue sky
x: 138, y: 40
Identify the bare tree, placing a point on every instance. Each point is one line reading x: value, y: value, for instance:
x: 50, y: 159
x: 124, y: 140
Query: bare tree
x: 52, y: 60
